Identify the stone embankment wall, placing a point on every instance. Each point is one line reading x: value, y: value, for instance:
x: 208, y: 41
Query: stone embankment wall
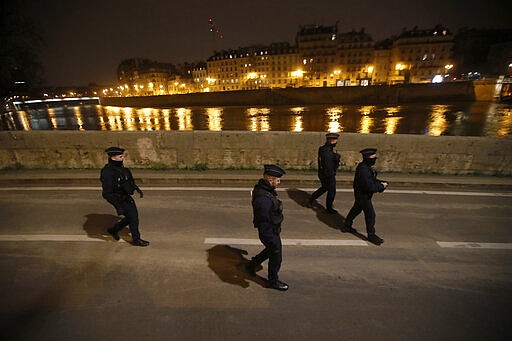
x: 239, y: 149
x: 394, y: 94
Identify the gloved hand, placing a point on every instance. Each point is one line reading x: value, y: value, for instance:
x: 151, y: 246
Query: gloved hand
x: 141, y: 194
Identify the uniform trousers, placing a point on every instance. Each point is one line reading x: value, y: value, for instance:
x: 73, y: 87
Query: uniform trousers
x: 131, y: 218
x: 327, y: 185
x: 273, y: 251
x: 362, y: 203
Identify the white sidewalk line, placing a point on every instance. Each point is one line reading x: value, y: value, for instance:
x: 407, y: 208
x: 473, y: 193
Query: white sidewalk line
x: 51, y: 238
x: 475, y: 245
x: 295, y: 242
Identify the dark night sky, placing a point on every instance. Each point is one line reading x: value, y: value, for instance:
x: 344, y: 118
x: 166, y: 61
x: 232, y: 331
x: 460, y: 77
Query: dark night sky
x: 86, y: 40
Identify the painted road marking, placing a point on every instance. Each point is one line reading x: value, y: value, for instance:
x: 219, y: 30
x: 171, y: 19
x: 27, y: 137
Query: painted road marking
x: 248, y: 189
x: 242, y: 241
x: 296, y: 242
x: 475, y: 245
x: 50, y: 238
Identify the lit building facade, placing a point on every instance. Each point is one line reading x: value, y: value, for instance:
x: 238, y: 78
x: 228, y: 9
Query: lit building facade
x: 356, y: 59
x: 419, y: 55
x: 321, y: 57
x: 144, y: 77
x: 382, y: 62
x: 318, y: 48
x: 255, y: 67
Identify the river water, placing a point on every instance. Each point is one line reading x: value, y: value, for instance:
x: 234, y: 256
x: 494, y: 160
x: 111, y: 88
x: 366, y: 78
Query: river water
x: 455, y: 119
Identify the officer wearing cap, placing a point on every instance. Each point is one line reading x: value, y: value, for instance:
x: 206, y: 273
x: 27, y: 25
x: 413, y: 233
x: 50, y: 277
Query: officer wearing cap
x: 118, y: 187
x: 268, y: 216
x: 365, y: 184
x: 328, y: 163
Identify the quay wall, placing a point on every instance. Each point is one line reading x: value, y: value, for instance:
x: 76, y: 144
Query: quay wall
x: 382, y: 94
x: 250, y: 150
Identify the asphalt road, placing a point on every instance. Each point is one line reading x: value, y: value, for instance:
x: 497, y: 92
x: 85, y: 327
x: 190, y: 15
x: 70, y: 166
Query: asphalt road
x: 64, y: 278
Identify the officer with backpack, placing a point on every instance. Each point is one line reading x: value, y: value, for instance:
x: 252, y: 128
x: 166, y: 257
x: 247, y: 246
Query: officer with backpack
x: 268, y: 216
x: 118, y: 187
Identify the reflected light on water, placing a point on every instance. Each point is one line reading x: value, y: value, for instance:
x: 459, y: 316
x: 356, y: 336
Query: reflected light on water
x: 505, y: 125
x: 148, y: 119
x: 129, y: 119
x: 390, y: 122
x: 79, y: 120
x: 498, y: 121
x: 334, y: 115
x: 114, y: 118
x: 258, y: 119
x: 53, y: 118
x: 24, y: 120
x: 437, y: 124
x: 166, y: 113
x: 214, y: 119
x: 296, y: 118
x: 366, y: 120
x: 184, y: 116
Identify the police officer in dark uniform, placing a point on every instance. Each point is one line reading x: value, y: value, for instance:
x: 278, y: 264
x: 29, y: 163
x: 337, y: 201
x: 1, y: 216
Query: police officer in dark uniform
x: 365, y: 184
x: 268, y: 216
x: 328, y: 163
x: 118, y: 187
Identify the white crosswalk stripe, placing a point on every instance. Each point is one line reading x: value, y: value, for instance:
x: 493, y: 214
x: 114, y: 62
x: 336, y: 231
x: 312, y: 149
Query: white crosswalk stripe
x: 475, y: 245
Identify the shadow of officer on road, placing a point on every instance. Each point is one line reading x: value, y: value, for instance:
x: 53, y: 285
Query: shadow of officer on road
x: 229, y: 264
x: 96, y: 226
x: 335, y: 221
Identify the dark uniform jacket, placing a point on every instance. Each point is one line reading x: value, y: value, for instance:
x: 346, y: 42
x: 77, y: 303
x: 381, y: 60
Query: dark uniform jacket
x: 267, y: 209
x: 366, y: 182
x: 328, y: 161
x: 117, y: 183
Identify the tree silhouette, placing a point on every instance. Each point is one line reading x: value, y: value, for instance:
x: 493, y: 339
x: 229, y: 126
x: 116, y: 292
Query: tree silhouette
x: 20, y: 68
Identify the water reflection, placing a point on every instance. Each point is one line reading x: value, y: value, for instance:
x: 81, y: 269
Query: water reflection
x: 184, y: 116
x: 391, y: 121
x: 259, y: 119
x: 166, y: 113
x: 462, y: 119
x: 297, y: 119
x: 78, y: 116
x: 214, y: 119
x: 24, y: 120
x: 366, y: 119
x: 498, y: 121
x: 53, y: 118
x: 334, y: 115
x: 128, y: 118
x: 437, y: 120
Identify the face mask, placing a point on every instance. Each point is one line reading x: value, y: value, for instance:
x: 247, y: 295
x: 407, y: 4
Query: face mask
x: 370, y: 161
x: 116, y: 163
x: 333, y: 145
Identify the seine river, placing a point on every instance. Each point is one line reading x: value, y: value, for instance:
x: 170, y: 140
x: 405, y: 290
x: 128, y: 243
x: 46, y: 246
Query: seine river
x: 455, y: 119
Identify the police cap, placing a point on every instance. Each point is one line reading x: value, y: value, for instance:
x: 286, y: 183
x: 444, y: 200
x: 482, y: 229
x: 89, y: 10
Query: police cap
x: 368, y: 151
x: 273, y: 170
x: 112, y: 151
x: 332, y: 136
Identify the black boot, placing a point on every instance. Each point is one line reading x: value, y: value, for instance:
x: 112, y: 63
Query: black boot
x: 278, y: 285
x: 113, y: 231
x: 253, y: 268
x: 348, y: 229
x: 373, y: 238
x: 140, y: 242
